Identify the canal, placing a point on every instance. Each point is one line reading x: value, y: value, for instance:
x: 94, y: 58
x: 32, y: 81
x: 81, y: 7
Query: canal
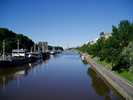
x: 60, y: 77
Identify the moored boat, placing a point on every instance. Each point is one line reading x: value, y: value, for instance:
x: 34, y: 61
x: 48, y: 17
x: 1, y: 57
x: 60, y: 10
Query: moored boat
x: 34, y: 56
x: 5, y: 61
x: 19, y: 57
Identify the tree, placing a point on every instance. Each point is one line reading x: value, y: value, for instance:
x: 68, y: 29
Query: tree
x: 127, y: 54
x: 11, y: 40
x: 115, y: 49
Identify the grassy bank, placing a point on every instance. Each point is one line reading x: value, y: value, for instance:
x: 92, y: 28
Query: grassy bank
x: 120, y: 84
x: 124, y: 73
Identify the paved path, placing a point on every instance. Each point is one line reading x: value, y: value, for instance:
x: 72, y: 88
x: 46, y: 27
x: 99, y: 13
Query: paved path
x: 120, y: 84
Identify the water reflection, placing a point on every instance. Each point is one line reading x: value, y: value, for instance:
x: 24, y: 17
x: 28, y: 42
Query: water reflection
x: 98, y: 84
x: 63, y: 77
x: 7, y: 75
x: 101, y: 87
x: 84, y: 62
x: 46, y: 58
x: 17, y: 73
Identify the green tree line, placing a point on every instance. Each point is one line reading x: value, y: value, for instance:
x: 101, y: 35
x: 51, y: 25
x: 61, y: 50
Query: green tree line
x: 11, y: 38
x: 116, y: 49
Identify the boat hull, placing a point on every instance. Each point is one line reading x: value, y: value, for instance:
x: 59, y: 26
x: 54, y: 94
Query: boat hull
x: 46, y: 55
x: 4, y: 64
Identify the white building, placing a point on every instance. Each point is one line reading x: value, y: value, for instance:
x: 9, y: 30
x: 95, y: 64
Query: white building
x: 105, y: 35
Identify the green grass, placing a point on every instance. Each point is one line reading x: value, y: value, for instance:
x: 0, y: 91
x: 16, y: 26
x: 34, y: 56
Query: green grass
x: 127, y: 75
x: 104, y: 63
x: 124, y: 74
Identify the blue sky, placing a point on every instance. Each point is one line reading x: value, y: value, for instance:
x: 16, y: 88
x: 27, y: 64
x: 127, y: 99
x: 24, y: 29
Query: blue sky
x: 63, y: 22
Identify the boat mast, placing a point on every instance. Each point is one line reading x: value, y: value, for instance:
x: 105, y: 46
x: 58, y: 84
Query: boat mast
x: 34, y: 47
x: 18, y: 44
x: 38, y: 49
x: 3, y: 55
x: 31, y: 49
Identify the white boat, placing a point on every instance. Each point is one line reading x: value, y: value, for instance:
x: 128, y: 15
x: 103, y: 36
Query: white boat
x: 19, y: 57
x: 19, y: 53
x: 82, y: 57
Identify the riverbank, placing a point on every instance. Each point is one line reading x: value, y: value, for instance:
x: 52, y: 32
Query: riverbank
x: 118, y: 83
x: 126, y: 74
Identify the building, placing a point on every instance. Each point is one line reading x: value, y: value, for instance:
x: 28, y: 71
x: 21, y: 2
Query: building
x: 105, y: 35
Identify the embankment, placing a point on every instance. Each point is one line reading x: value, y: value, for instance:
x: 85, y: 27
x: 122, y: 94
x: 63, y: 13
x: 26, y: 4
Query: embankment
x: 118, y: 83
